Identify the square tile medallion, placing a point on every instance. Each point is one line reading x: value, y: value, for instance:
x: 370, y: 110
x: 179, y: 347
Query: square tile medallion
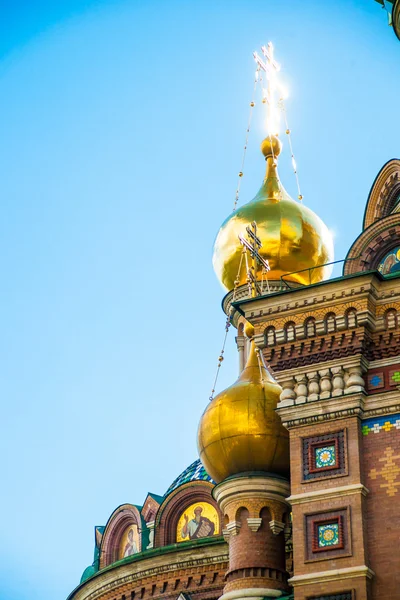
x: 325, y: 456
x: 328, y: 535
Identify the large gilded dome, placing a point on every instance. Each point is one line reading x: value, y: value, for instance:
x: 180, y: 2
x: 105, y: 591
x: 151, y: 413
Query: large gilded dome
x: 240, y: 430
x: 293, y: 237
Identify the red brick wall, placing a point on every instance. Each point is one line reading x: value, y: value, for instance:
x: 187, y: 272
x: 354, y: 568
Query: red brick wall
x: 381, y: 461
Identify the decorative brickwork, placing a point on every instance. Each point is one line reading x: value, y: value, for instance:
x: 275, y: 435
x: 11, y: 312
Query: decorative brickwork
x: 383, y: 194
x: 381, y: 424
x: 381, y: 446
x: 373, y: 244
x: 327, y: 535
x: 324, y: 455
x: 342, y: 596
x: 383, y: 379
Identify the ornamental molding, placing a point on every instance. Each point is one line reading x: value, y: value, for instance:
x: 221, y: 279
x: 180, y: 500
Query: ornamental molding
x: 378, y: 206
x: 327, y: 293
x: 241, y: 488
x: 384, y: 362
x: 372, y: 244
x: 110, y: 579
x: 364, y: 406
x: 384, y: 403
x: 254, y: 593
x: 351, y: 405
x: 333, y: 575
x: 328, y: 494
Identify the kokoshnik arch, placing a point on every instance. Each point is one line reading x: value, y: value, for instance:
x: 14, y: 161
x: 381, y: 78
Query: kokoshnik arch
x: 296, y: 491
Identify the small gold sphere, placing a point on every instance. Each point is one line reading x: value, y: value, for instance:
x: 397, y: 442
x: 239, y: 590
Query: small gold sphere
x: 240, y: 173
x: 249, y: 330
x: 251, y: 104
x: 271, y: 146
x: 288, y: 131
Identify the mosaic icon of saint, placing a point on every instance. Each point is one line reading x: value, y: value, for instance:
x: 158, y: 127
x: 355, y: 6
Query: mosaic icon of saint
x: 131, y: 547
x: 199, y: 527
x: 391, y: 264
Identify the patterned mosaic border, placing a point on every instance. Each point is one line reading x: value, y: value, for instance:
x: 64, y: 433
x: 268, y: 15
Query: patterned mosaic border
x: 378, y: 424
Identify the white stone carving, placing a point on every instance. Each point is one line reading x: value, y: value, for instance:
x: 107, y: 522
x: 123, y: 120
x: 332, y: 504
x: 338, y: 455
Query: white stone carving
x: 276, y: 527
x: 254, y: 523
x: 320, y: 384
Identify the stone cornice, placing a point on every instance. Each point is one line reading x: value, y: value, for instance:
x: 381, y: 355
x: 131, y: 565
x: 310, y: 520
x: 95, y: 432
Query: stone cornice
x: 340, y: 407
x: 262, y: 487
x: 358, y: 404
x: 382, y: 404
x: 333, y: 575
x: 383, y: 362
x: 328, y: 494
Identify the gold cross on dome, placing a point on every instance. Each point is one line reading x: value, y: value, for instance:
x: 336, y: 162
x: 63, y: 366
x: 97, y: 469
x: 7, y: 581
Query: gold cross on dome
x: 270, y: 66
x: 252, y: 245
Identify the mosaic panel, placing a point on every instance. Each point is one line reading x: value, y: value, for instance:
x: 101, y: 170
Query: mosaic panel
x: 328, y: 535
x: 381, y: 424
x: 394, y: 377
x: 197, y: 521
x: 324, y: 456
x: 390, y: 263
x: 376, y: 381
x: 383, y: 379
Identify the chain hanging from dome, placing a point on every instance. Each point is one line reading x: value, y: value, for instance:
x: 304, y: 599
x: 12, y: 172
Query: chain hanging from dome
x: 291, y: 235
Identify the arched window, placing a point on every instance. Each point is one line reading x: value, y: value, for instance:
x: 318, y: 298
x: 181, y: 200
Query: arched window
x: 309, y: 327
x: 351, y: 318
x: 391, y: 318
x: 270, y: 338
x: 290, y: 332
x: 330, y: 323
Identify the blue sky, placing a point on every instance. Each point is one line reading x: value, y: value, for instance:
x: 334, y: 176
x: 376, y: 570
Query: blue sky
x: 120, y: 141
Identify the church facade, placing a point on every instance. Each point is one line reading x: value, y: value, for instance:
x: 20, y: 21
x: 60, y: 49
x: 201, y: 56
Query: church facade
x: 295, y: 495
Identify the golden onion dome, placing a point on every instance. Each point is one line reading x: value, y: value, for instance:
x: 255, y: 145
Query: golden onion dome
x: 293, y: 237
x: 240, y: 431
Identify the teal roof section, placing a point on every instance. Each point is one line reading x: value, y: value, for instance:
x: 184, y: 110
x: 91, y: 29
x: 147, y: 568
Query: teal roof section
x: 156, y: 497
x: 194, y: 472
x: 88, y: 572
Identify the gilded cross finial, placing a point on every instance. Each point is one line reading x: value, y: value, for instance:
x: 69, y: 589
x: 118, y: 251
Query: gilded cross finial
x: 252, y: 245
x: 270, y: 67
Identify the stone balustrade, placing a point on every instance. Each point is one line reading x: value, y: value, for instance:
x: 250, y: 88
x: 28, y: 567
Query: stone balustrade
x: 320, y: 384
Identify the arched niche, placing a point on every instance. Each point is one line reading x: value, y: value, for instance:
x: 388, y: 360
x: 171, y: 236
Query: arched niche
x: 185, y: 500
x: 122, y: 536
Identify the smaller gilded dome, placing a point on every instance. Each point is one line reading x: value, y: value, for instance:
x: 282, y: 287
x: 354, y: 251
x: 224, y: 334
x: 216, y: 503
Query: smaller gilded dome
x: 240, y: 430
